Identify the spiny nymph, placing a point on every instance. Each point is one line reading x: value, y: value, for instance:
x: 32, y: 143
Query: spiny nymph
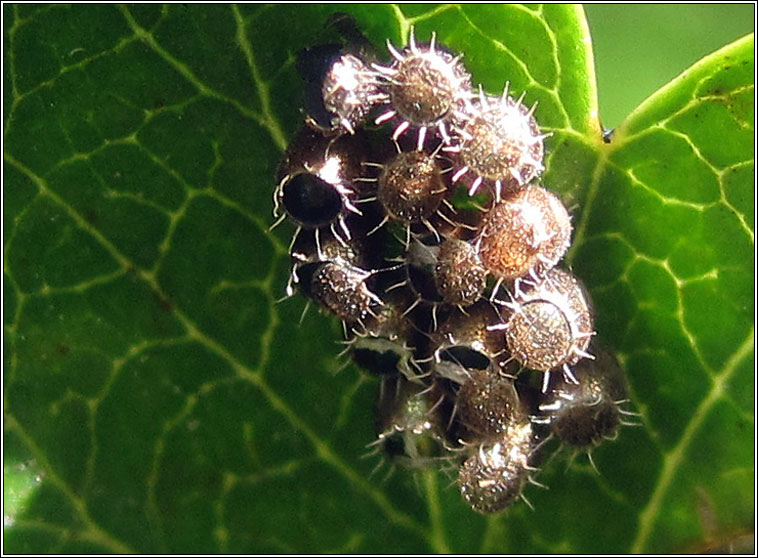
x: 499, y: 144
x: 584, y: 414
x: 525, y: 234
x: 493, y: 477
x: 318, y: 181
x: 550, y: 325
x: 460, y: 275
x: 340, y: 89
x: 411, y: 187
x: 424, y: 86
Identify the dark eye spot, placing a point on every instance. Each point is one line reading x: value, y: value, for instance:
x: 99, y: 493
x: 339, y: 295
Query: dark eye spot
x: 466, y: 357
x: 378, y: 363
x: 310, y: 201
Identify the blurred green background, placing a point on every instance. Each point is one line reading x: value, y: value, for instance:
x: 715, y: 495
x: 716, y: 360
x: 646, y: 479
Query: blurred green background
x: 641, y: 47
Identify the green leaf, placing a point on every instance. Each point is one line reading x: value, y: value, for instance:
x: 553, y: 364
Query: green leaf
x: 174, y: 406
x: 671, y: 208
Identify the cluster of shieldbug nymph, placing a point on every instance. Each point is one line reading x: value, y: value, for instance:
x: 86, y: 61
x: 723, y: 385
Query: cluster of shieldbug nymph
x: 481, y: 342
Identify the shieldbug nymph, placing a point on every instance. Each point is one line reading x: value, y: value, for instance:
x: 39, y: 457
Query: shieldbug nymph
x: 341, y: 289
x: 459, y: 273
x: 550, y: 325
x: 527, y: 233
x: 410, y: 187
x: 346, y: 95
x: 340, y: 87
x: 318, y: 181
x: 585, y: 413
x: 409, y: 422
x: 386, y: 346
x: 424, y: 86
x: 487, y: 403
x: 465, y: 341
x: 500, y: 144
x: 493, y: 478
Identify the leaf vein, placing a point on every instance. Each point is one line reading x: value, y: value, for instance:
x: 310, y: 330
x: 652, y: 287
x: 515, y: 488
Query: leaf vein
x: 12, y: 57
x: 81, y: 64
x: 674, y: 458
x: 188, y: 74
x: 267, y: 118
x: 524, y: 68
x: 744, y: 223
x: 94, y: 532
x: 403, y: 22
x: 323, y: 450
x: 431, y: 13
x: 437, y: 536
x: 580, y: 229
x: 666, y: 200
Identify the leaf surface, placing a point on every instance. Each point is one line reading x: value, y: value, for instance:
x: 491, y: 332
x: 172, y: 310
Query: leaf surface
x: 174, y: 406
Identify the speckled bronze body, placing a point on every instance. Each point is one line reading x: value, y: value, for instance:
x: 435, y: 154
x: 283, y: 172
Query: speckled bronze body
x: 459, y: 273
x: 529, y: 231
x: 348, y: 92
x: 426, y: 86
x: 488, y: 403
x: 342, y: 290
x: 493, y: 477
x: 551, y: 322
x: 470, y: 329
x: 411, y: 186
x: 584, y: 414
x: 503, y: 142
